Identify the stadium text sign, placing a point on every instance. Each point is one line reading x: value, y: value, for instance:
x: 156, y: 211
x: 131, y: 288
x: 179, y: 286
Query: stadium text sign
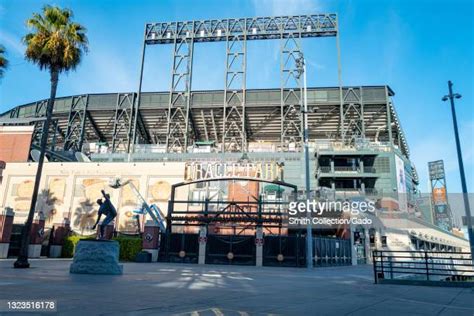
x: 269, y: 171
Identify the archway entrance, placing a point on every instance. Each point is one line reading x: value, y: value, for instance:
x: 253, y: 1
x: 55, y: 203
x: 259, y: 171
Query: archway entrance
x: 227, y: 219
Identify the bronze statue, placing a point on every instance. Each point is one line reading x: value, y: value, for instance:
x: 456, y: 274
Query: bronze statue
x: 105, y: 208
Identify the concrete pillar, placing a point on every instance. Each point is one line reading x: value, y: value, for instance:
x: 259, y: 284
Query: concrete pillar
x: 202, y: 244
x: 151, y: 239
x: 36, y: 236
x: 61, y: 231
x: 353, y: 246
x: 361, y: 165
x: 259, y: 246
x: 6, y: 225
x: 331, y: 162
x: 368, y: 253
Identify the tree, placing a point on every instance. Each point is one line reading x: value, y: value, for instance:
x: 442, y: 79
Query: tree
x: 3, y: 61
x: 56, y: 44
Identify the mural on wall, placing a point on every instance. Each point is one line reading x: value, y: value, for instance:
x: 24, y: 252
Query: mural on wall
x: 128, y: 203
x: 84, y: 207
x: 21, y: 194
x: 159, y: 192
x: 51, y: 200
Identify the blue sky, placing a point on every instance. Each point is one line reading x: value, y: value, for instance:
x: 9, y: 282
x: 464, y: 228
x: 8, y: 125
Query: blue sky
x: 413, y: 46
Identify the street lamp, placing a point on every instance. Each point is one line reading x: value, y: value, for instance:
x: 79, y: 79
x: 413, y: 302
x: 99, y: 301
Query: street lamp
x: 301, y: 68
x: 451, y: 96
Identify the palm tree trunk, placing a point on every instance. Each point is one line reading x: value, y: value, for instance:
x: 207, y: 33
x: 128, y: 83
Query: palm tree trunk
x: 22, y: 261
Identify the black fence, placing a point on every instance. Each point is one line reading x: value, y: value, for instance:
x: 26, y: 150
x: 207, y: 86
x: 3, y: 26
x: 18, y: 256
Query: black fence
x: 230, y: 249
x: 15, y: 240
x: 423, y: 268
x: 182, y: 248
x: 284, y: 251
x: 331, y: 252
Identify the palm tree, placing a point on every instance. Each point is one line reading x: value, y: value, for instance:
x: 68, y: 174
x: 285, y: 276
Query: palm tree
x: 56, y: 44
x: 3, y: 61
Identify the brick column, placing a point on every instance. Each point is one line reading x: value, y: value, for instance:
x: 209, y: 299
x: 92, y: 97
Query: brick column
x: 202, y: 244
x: 61, y: 231
x: 108, y: 231
x: 36, y: 236
x: 6, y: 224
x: 151, y: 239
x: 259, y: 246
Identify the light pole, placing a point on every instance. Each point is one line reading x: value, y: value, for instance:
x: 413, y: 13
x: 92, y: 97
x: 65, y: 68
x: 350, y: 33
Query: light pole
x: 451, y: 96
x: 301, y: 66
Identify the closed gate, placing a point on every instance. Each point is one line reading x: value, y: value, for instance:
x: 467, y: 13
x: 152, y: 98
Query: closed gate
x: 182, y: 248
x: 230, y: 249
x: 285, y: 251
x: 331, y: 251
x: 15, y: 240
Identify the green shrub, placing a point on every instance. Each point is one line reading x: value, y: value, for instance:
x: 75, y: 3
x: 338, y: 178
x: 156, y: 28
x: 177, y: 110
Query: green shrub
x: 70, y: 243
x: 129, y: 247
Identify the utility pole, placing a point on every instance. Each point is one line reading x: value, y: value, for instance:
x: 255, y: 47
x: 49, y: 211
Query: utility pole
x: 451, y: 96
x: 301, y: 66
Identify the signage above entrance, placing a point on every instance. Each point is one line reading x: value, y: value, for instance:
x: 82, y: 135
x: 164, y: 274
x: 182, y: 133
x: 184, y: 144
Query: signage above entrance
x: 269, y: 171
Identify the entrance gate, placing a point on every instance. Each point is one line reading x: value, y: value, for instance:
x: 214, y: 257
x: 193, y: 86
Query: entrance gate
x: 229, y: 212
x: 284, y: 251
x: 230, y: 249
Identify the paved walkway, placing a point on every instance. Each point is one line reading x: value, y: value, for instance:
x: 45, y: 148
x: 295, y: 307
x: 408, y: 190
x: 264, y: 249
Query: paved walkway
x: 164, y: 289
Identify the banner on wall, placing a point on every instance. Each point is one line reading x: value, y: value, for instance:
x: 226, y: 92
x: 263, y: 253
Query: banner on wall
x: 401, y: 183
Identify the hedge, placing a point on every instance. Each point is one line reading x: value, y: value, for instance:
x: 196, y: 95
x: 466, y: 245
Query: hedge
x: 70, y: 243
x: 129, y: 246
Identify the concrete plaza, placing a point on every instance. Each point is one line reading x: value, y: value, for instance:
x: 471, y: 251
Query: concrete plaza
x: 164, y: 289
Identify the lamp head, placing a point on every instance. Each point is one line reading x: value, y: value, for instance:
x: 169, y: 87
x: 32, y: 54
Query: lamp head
x: 445, y: 98
x: 457, y: 96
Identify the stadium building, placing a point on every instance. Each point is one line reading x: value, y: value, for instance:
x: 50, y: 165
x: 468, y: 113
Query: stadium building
x: 217, y: 170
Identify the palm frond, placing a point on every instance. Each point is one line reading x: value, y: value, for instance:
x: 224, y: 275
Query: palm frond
x: 55, y: 41
x: 3, y: 61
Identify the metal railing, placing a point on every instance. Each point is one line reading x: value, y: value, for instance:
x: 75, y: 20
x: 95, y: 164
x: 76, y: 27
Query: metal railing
x: 327, y: 169
x: 425, y: 267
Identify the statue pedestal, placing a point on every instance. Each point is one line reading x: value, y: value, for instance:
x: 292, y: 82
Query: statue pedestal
x: 96, y: 257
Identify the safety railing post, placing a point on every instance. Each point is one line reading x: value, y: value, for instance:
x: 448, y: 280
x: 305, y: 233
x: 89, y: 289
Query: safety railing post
x: 427, y: 267
x: 374, y: 262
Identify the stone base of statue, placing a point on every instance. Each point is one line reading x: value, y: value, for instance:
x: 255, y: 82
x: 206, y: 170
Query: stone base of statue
x: 96, y: 257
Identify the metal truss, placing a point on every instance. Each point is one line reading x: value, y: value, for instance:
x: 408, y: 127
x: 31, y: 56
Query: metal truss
x: 178, y: 131
x: 15, y: 112
x: 40, y: 108
x: 291, y: 90
x: 123, y: 120
x: 234, y: 138
x: 352, y: 119
x: 258, y: 28
x: 181, y: 131
x: 76, y: 123
x: 55, y: 134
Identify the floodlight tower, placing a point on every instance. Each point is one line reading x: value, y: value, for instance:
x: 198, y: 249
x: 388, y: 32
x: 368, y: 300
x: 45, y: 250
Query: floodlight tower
x: 301, y: 67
